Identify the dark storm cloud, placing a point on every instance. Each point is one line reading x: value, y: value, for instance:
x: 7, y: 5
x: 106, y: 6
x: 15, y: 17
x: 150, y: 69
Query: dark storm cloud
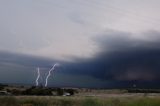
x: 112, y: 41
x: 122, y: 58
x: 120, y: 62
x: 21, y: 69
x: 24, y: 60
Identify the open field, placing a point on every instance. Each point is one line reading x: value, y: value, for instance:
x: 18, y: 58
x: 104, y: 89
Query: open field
x: 28, y: 96
x: 96, y: 100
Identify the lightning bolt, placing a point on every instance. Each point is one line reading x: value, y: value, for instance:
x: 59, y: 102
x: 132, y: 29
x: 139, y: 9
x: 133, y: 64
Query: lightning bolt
x: 38, y: 75
x: 49, y: 73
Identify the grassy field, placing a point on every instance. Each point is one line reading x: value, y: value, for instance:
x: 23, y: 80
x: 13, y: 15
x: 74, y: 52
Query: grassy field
x: 79, y: 101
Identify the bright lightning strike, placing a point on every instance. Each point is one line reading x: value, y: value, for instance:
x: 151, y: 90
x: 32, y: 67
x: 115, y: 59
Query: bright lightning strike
x: 38, y: 75
x: 49, y: 73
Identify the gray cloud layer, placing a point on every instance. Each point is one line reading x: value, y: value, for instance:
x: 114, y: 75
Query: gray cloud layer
x: 123, y: 58
x: 60, y: 29
x: 120, y: 59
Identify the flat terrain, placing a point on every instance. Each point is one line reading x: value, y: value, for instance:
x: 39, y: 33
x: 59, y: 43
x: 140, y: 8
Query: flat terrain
x: 83, y: 100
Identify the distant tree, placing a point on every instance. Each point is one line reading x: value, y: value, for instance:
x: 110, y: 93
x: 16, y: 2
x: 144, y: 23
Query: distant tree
x: 60, y: 91
x: 16, y: 92
x: 1, y: 87
x: 37, y: 91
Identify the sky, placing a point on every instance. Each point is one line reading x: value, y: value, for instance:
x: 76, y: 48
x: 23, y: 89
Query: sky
x: 99, y: 43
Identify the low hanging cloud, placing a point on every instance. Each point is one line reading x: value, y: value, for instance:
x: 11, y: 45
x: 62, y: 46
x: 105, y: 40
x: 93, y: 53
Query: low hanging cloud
x: 122, y: 57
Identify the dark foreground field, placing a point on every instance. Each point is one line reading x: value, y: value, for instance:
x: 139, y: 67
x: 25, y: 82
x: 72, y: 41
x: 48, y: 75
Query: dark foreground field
x: 107, y: 100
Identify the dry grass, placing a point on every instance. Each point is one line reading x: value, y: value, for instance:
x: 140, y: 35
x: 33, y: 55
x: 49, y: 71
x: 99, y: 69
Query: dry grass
x: 79, y: 101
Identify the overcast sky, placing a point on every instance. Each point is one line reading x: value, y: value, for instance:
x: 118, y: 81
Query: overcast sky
x: 64, y: 28
x: 81, y: 30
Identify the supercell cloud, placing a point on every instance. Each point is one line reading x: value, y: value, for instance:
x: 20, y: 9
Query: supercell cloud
x: 105, y: 43
x: 123, y: 58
